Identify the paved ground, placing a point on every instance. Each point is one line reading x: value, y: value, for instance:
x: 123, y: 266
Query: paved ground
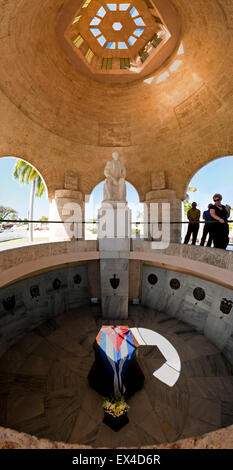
x: 44, y: 389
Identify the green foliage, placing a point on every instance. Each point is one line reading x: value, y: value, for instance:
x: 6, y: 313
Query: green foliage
x: 93, y: 230
x: 230, y: 218
x: 8, y: 213
x: 192, y: 189
x: 187, y: 206
x: 25, y: 173
x: 139, y: 215
x: 116, y: 405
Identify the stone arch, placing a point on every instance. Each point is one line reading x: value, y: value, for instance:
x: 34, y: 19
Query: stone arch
x: 200, y: 166
x: 33, y: 166
x: 87, y: 196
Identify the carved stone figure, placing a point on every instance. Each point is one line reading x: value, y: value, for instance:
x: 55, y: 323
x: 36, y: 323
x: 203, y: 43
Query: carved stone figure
x: 114, y: 186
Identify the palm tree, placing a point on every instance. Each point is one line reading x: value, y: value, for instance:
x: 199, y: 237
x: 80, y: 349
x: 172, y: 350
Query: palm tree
x: 27, y: 174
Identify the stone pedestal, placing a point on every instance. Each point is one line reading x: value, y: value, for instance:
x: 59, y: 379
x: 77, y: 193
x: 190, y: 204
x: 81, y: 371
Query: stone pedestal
x: 114, y: 277
x: 159, y: 197
x: 114, y: 220
x: 67, y: 206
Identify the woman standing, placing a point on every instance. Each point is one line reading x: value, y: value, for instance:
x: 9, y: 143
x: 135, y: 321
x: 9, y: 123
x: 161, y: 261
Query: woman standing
x: 219, y: 227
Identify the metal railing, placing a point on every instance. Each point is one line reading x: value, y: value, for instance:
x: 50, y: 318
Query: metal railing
x: 135, y: 225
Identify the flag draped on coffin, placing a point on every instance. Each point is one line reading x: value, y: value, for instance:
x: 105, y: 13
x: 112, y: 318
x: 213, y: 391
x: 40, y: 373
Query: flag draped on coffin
x: 117, y: 345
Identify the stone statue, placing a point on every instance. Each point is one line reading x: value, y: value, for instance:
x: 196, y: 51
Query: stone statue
x: 114, y: 186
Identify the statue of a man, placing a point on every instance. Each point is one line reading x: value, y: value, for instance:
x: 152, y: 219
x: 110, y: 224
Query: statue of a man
x: 114, y: 186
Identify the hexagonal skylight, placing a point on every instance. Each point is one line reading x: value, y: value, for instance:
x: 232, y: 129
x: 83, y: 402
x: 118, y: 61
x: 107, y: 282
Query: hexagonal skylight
x: 115, y: 35
x: 95, y: 25
x: 117, y: 26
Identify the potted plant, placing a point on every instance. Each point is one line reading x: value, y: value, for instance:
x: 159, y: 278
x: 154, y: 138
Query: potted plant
x: 115, y: 412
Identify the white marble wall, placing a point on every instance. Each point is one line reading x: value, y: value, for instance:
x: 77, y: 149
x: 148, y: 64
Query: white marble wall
x: 40, y: 298
x: 114, y: 301
x: 204, y: 315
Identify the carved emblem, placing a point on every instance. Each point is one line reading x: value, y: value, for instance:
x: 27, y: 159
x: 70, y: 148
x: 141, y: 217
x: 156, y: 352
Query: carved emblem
x: 152, y: 279
x: 77, y: 279
x: 175, y: 284
x: 9, y: 303
x: 56, y: 284
x: 34, y: 291
x: 114, y: 281
x: 226, y: 306
x: 199, y: 293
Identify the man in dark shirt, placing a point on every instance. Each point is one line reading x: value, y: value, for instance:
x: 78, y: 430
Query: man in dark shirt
x: 193, y: 215
x: 207, y: 227
x: 219, y: 227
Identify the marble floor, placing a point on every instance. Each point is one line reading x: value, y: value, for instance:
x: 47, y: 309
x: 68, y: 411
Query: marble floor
x: 44, y: 389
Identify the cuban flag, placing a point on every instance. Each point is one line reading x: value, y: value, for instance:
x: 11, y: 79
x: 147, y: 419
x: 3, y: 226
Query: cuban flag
x: 117, y: 345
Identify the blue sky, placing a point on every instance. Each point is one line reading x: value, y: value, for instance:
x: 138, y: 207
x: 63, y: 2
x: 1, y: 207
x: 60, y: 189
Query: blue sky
x: 217, y: 176
x: 15, y: 195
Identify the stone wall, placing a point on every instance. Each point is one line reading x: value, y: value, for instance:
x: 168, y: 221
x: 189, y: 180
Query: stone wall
x: 206, y: 306
x: 30, y: 302
x: 220, y: 439
x: 16, y: 263
x: 208, y: 268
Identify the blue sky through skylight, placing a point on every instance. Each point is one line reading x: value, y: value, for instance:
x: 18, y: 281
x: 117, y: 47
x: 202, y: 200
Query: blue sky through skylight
x: 117, y: 26
x: 124, y: 6
x: 111, y: 45
x: 112, y: 6
x: 101, y: 40
x: 133, y: 12
x: 138, y: 32
x: 101, y: 12
x: 139, y: 22
x: 95, y: 21
x: 122, y: 45
x: 131, y: 40
x: 95, y: 31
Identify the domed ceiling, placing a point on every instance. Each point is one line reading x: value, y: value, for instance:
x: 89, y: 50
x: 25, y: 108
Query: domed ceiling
x: 63, y: 109
x: 120, y: 41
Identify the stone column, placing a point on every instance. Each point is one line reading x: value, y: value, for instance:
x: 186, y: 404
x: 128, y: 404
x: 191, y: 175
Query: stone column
x: 161, y: 195
x: 67, y: 206
x: 114, y: 277
x: 114, y: 220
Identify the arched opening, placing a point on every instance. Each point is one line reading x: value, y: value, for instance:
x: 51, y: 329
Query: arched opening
x: 93, y: 203
x: 14, y: 205
x: 214, y: 177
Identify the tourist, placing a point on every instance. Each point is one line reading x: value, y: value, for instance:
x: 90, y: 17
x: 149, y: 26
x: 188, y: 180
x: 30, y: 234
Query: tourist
x: 219, y: 227
x: 207, y: 227
x: 193, y: 215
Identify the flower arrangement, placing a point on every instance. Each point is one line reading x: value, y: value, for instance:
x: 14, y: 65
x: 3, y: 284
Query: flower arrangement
x: 116, y: 405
